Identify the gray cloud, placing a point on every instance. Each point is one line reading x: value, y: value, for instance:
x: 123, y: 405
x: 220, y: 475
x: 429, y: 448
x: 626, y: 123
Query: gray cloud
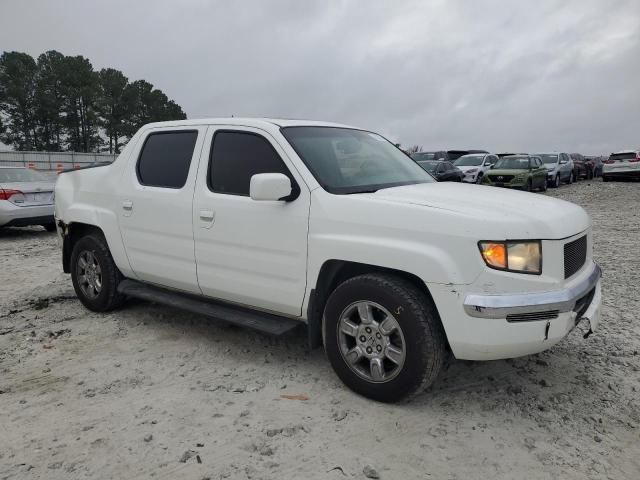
x: 500, y: 75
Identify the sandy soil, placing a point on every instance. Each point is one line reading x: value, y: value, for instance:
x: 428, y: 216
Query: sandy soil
x: 149, y: 392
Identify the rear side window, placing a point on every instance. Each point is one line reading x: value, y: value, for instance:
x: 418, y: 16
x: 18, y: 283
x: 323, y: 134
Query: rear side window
x: 236, y: 157
x: 165, y: 159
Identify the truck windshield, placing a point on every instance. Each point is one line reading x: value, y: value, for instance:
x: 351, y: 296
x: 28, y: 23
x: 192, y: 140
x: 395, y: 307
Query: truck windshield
x: 346, y: 161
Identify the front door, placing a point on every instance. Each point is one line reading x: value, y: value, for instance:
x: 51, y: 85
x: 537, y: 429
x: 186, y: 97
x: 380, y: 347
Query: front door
x: 249, y: 252
x: 155, y: 204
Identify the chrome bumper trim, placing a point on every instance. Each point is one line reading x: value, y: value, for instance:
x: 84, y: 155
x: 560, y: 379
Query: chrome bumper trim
x: 499, y: 306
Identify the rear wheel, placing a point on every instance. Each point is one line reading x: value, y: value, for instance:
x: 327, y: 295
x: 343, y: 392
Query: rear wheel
x: 383, y: 337
x: 94, y: 275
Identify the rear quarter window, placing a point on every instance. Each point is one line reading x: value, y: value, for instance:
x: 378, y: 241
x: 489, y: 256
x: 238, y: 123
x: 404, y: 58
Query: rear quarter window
x: 165, y: 158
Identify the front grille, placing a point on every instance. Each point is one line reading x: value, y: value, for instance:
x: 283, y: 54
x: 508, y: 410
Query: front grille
x: 575, y: 254
x: 530, y: 317
x: 501, y: 178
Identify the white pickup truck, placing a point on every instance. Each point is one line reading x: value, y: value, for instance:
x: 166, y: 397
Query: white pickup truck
x: 275, y: 223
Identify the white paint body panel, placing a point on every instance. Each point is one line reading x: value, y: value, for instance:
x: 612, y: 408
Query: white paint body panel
x: 268, y: 255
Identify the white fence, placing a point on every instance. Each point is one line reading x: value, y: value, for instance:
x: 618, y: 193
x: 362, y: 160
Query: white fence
x: 53, y: 160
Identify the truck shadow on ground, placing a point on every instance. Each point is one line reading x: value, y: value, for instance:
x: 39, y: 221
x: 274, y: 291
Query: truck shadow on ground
x: 553, y: 371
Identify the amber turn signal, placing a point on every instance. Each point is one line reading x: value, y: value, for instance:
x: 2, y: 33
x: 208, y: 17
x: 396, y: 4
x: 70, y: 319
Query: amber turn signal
x: 494, y: 254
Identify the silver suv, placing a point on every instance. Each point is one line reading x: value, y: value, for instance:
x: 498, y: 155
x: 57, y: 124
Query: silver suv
x: 559, y: 168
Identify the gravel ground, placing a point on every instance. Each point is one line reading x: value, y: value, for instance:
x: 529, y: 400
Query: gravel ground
x: 150, y: 392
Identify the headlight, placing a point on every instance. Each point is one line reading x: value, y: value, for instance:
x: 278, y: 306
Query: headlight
x: 522, y: 257
x: 472, y: 170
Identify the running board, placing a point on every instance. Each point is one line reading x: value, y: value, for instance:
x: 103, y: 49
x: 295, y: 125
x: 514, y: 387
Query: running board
x: 243, y: 317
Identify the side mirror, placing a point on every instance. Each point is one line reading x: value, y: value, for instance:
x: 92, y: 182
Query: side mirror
x: 269, y: 186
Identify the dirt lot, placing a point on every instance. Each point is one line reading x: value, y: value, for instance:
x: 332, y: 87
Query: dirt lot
x: 149, y: 392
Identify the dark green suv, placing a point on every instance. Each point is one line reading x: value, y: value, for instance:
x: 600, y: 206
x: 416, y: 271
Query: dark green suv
x: 518, y: 171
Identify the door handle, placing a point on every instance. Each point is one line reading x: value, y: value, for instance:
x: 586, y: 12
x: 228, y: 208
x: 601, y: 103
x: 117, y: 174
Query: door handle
x: 127, y: 205
x: 206, y: 215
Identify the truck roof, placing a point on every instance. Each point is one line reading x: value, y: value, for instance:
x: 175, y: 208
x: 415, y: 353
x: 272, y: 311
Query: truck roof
x: 249, y: 122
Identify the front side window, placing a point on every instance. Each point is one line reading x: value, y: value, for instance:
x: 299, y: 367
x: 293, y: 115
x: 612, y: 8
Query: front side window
x: 236, y: 157
x: 165, y: 158
x: 347, y: 161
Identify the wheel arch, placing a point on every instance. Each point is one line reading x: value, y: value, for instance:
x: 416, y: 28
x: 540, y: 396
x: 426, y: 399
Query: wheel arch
x: 333, y: 273
x: 73, y: 232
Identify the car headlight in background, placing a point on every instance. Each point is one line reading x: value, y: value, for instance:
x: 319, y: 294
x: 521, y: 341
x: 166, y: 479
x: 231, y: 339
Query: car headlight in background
x: 521, y: 257
x: 472, y: 170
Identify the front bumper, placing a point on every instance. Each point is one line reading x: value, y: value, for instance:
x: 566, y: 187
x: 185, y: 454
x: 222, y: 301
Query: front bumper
x: 492, y: 326
x: 503, y: 306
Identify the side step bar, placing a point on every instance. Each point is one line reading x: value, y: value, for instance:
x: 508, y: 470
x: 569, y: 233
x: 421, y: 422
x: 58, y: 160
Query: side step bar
x: 263, y: 322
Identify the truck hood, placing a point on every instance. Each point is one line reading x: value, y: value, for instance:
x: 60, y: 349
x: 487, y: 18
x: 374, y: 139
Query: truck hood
x: 493, y: 211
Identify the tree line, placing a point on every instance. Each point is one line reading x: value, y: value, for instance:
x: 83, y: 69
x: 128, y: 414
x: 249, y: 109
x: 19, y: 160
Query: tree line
x: 60, y: 103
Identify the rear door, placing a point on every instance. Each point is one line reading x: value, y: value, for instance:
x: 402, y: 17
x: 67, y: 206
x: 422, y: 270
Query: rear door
x: 155, y: 206
x: 249, y: 252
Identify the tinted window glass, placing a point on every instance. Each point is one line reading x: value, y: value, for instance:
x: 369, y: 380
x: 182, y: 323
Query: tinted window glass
x: 236, y: 157
x: 165, y: 159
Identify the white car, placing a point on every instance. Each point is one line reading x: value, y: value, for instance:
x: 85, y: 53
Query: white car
x: 622, y: 165
x: 26, y: 198
x: 276, y: 223
x: 475, y: 166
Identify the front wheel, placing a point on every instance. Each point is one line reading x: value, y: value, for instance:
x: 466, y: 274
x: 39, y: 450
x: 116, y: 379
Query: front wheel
x: 556, y: 181
x: 544, y: 185
x: 383, y: 337
x: 479, y: 179
x: 94, y: 275
x: 572, y: 178
x: 529, y: 186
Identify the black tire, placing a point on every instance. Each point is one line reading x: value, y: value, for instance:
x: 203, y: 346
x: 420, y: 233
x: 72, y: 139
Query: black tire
x: 479, y: 178
x: 529, y: 186
x: 605, y: 178
x: 556, y: 182
x: 544, y: 186
x: 49, y: 227
x: 419, y: 324
x: 572, y: 178
x: 108, y: 297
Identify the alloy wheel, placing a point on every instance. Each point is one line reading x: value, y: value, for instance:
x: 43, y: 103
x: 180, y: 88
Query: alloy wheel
x: 371, y: 341
x: 89, y: 274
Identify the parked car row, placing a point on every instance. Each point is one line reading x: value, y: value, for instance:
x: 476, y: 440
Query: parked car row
x: 526, y: 170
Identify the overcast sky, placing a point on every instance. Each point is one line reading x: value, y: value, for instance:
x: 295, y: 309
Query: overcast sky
x: 500, y: 75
